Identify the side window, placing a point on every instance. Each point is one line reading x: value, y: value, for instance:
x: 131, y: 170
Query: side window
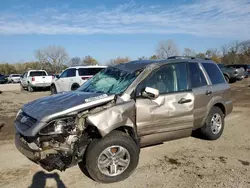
x: 71, y: 73
x: 197, y: 78
x: 171, y: 78
x: 64, y: 74
x: 214, y: 73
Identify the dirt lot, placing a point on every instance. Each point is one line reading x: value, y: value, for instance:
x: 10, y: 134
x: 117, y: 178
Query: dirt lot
x: 189, y: 162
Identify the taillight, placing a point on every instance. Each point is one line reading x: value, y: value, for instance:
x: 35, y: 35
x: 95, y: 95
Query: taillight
x: 53, y: 77
x: 86, y: 77
x: 33, y: 79
x: 248, y: 70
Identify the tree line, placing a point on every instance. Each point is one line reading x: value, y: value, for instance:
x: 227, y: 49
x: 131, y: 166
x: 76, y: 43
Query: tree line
x: 54, y: 59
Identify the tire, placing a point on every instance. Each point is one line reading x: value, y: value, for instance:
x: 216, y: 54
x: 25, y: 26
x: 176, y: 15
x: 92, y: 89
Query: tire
x: 74, y: 87
x: 21, y: 87
x: 122, y: 143
x: 53, y: 89
x: 210, y: 132
x: 30, y: 89
x: 227, y: 79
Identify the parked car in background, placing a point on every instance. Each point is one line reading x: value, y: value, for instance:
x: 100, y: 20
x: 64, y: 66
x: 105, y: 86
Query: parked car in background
x: 231, y: 74
x: 3, y: 79
x: 33, y: 79
x: 103, y: 124
x: 241, y: 71
x: 246, y: 68
x: 73, y: 77
x: 14, y: 78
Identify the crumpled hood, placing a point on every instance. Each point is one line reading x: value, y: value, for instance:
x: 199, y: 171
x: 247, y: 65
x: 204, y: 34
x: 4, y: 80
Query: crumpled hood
x: 45, y: 106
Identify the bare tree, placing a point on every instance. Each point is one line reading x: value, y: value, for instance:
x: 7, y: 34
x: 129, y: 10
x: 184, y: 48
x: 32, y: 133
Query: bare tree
x: 75, y: 61
x: 189, y: 52
x: 88, y: 60
x: 118, y: 60
x: 166, y: 49
x: 55, y: 55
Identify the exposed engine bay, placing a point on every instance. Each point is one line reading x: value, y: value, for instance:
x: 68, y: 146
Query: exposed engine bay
x: 62, y: 142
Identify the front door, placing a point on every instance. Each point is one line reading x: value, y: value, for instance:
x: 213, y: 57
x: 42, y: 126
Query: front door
x: 66, y: 80
x: 170, y: 114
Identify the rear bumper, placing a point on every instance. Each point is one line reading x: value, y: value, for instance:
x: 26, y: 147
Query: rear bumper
x: 40, y: 85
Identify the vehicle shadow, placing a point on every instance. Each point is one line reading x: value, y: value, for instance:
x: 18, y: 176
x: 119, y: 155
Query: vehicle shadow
x: 39, y: 180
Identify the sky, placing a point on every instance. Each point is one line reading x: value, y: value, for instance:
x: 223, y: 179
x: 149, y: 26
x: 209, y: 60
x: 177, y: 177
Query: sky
x: 107, y: 29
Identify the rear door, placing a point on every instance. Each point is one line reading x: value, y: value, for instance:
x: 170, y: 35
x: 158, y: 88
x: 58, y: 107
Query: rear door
x: 202, y: 92
x: 172, y: 110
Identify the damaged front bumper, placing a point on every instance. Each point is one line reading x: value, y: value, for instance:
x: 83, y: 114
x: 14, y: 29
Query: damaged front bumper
x: 49, y: 159
x: 34, y: 155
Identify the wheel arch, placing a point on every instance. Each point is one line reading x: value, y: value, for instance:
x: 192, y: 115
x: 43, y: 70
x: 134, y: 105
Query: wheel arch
x: 221, y: 106
x: 74, y: 85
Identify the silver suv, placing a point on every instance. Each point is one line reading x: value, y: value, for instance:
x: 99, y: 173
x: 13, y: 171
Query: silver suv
x: 102, y: 125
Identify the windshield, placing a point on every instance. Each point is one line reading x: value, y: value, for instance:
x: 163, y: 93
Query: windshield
x: 110, y: 80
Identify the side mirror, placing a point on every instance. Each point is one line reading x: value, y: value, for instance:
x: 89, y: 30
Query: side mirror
x: 21, y: 76
x: 150, y: 93
x: 57, y: 76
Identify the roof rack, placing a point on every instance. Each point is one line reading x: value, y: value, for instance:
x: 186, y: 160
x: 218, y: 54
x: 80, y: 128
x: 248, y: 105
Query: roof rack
x: 187, y: 57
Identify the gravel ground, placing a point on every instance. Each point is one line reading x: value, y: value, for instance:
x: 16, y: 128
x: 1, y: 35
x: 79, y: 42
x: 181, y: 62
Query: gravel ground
x: 189, y: 162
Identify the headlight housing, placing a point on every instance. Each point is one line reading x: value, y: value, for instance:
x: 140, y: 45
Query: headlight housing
x: 19, y: 112
x: 59, y: 126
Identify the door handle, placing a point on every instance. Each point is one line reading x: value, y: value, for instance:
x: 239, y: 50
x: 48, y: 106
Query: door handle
x: 183, y: 100
x: 208, y: 92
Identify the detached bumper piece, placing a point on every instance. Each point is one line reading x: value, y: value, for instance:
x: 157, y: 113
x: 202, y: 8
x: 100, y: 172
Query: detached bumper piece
x: 48, y: 159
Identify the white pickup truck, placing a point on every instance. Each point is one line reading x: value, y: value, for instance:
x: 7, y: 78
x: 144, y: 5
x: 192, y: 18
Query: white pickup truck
x: 33, y: 79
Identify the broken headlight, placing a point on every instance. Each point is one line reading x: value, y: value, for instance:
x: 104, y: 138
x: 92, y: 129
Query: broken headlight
x: 59, y: 126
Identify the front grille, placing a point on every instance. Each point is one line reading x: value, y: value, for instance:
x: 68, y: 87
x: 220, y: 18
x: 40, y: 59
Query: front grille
x: 25, y: 120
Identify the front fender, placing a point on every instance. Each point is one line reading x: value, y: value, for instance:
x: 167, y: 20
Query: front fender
x: 112, y: 118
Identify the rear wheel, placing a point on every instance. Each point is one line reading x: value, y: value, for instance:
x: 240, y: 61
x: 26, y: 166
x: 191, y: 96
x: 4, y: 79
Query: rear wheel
x: 112, y: 158
x: 214, y: 125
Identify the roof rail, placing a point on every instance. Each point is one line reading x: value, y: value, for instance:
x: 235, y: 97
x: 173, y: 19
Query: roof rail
x: 181, y: 57
x: 187, y: 57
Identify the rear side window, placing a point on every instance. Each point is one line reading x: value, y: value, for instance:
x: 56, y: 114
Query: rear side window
x: 197, y: 78
x: 38, y: 73
x: 214, y: 73
x: 89, y: 71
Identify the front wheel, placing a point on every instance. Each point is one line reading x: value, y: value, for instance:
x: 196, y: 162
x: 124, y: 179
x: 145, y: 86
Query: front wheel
x: 30, y: 89
x: 112, y: 158
x: 214, y: 126
x: 227, y: 79
x: 53, y: 89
